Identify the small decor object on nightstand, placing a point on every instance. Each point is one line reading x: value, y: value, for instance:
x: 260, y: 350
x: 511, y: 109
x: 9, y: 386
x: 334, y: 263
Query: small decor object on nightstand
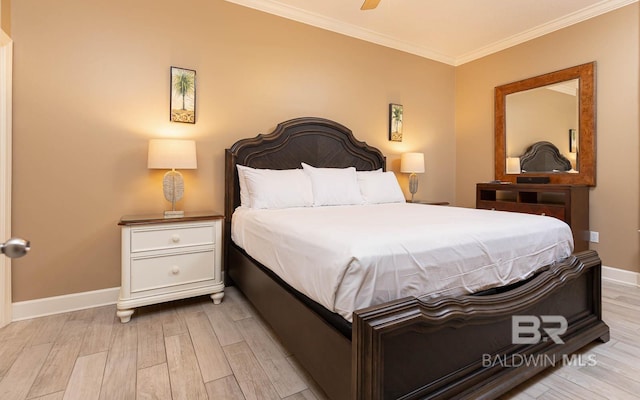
x: 412, y: 163
x: 172, y: 154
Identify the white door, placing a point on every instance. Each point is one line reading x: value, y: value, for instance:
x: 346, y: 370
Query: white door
x: 6, y: 56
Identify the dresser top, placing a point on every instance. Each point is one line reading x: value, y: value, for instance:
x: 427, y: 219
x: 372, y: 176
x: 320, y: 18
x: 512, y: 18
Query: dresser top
x: 541, y: 187
x: 147, y: 219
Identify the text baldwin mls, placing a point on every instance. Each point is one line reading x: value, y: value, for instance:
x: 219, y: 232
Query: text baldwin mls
x: 538, y: 360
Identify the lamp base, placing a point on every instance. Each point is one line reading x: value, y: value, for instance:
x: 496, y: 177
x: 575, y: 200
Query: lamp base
x: 173, y: 188
x: 413, y: 185
x: 174, y: 214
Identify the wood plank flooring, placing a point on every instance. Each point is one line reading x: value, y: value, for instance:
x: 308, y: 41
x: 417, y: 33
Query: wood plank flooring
x: 193, y: 349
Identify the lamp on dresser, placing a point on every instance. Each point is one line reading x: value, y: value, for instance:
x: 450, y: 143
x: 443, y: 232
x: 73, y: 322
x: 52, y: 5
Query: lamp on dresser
x: 513, y: 165
x: 412, y: 163
x: 172, y: 154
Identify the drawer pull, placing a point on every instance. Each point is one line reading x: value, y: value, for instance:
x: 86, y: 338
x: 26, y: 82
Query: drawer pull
x: 175, y: 270
x: 543, y: 214
x: 175, y: 238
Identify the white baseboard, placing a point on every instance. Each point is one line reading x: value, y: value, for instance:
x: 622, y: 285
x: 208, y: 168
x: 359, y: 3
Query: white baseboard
x: 60, y: 304
x: 68, y: 302
x: 620, y: 276
x: 96, y: 298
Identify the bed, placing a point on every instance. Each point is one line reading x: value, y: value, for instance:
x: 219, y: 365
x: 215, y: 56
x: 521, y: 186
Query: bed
x: 415, y: 346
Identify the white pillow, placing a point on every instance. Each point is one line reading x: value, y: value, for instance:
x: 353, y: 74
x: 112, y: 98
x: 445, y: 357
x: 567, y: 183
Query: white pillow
x: 245, y: 201
x: 334, y: 186
x: 270, y: 188
x: 380, y: 187
x: 375, y: 171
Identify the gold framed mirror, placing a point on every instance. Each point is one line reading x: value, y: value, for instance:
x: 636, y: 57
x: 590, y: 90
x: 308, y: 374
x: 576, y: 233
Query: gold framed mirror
x: 564, y: 143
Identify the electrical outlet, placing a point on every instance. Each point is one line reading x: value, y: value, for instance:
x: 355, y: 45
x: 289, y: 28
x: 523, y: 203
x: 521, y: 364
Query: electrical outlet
x: 594, y: 237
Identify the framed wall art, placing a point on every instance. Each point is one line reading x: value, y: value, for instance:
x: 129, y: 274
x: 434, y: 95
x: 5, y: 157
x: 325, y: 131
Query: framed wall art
x: 183, y: 95
x: 395, y: 122
x: 573, y: 141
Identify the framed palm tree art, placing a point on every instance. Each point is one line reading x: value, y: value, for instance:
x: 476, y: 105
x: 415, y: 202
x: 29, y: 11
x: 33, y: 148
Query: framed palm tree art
x: 395, y: 122
x: 183, y: 95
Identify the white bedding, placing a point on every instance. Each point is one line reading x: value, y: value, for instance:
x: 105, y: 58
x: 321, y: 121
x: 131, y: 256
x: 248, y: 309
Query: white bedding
x: 351, y: 257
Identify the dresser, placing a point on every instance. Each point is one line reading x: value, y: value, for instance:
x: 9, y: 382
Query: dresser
x: 569, y: 203
x: 166, y: 259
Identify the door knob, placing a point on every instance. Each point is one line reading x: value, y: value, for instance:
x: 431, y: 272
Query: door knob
x: 15, y: 247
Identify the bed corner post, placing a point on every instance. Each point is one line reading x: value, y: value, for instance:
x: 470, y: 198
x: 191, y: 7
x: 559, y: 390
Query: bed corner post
x: 590, y: 257
x: 371, y: 328
x: 361, y: 374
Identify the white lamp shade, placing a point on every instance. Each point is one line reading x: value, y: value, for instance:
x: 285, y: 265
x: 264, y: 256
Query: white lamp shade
x: 513, y: 165
x: 172, y: 153
x: 412, y: 163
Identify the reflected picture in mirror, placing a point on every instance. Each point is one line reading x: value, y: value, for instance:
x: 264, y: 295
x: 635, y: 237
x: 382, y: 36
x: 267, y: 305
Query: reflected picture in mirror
x: 573, y: 141
x: 545, y: 126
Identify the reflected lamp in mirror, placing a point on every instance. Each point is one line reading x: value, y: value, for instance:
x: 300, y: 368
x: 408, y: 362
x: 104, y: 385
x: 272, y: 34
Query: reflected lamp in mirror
x: 412, y: 163
x: 513, y: 165
x: 172, y: 154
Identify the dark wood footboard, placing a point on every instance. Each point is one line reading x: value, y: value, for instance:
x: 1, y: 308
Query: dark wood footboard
x: 436, y: 349
x: 464, y: 347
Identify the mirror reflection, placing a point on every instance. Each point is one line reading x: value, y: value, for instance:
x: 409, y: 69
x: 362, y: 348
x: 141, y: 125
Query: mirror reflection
x: 545, y: 127
x: 542, y: 129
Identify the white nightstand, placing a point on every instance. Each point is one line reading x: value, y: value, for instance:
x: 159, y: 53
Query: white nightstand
x: 166, y: 259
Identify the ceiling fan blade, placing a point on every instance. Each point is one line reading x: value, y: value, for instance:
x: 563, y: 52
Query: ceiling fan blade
x: 369, y: 4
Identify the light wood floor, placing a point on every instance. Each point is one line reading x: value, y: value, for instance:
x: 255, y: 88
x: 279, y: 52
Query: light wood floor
x: 195, y: 350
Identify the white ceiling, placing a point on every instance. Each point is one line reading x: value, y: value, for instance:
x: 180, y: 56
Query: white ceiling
x: 449, y: 31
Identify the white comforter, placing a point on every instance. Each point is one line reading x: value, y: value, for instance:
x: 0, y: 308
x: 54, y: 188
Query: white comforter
x: 351, y: 257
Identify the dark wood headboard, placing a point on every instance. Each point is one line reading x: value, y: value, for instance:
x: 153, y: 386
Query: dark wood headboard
x: 544, y: 157
x: 315, y: 141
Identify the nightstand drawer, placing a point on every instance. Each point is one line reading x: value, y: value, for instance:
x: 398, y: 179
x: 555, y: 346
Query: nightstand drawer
x: 162, y: 271
x: 162, y: 238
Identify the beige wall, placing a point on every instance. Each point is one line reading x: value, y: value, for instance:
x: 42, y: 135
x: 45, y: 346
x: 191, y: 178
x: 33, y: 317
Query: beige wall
x: 5, y: 16
x: 91, y: 87
x: 612, y: 41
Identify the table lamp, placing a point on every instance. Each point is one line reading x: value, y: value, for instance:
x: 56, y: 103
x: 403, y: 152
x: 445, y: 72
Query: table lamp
x: 513, y: 165
x: 412, y: 163
x: 172, y: 154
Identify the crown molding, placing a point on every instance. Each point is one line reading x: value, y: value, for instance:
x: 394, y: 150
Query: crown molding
x: 334, y: 25
x: 586, y: 13
x: 567, y: 87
